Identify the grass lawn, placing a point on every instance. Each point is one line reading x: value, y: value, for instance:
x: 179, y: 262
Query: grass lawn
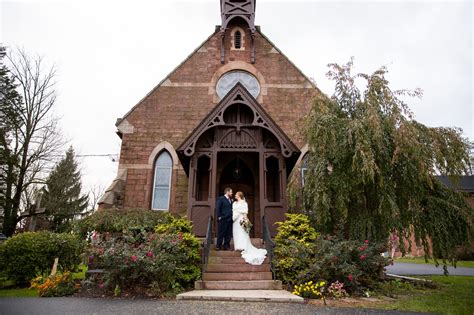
x: 421, y: 260
x: 454, y: 295
x: 26, y: 292
x: 19, y: 293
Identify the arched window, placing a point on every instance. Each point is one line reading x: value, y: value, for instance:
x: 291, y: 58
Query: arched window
x: 237, y: 40
x: 162, y: 182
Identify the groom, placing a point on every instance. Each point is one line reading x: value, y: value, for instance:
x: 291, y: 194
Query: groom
x: 224, y: 220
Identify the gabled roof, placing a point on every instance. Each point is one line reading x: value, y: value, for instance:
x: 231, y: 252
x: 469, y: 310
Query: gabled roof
x: 466, y: 183
x: 238, y: 94
x: 119, y: 120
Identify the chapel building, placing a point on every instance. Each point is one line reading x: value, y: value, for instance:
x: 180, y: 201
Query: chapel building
x: 228, y: 115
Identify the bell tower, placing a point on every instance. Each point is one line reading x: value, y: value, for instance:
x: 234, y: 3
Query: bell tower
x: 244, y: 10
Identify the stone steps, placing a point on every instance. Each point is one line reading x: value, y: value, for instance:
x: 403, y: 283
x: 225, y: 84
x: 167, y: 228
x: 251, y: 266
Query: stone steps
x: 237, y: 268
x: 239, y: 285
x: 241, y: 296
x: 230, y: 260
x: 237, y: 276
x: 227, y: 270
x: 224, y: 253
x: 257, y: 242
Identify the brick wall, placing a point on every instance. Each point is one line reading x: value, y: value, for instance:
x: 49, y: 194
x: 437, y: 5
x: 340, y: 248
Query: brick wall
x: 172, y: 110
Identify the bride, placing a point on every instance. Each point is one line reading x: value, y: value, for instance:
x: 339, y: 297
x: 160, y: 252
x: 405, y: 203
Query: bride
x: 251, y: 254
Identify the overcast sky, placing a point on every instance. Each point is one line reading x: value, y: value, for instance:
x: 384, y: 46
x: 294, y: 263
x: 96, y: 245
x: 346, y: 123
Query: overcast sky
x: 109, y: 54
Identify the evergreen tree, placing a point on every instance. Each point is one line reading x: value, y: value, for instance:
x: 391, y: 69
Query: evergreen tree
x: 62, y: 197
x: 10, y: 121
x: 372, y: 168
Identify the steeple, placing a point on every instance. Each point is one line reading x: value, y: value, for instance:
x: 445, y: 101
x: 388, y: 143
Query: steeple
x: 242, y: 10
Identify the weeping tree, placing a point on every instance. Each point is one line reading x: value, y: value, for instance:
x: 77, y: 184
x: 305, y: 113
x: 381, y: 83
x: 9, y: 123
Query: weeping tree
x: 372, y: 167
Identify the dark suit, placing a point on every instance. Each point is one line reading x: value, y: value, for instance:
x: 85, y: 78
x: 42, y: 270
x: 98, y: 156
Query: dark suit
x: 224, y: 221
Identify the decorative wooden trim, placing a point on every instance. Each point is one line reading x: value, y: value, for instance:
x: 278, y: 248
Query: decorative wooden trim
x: 238, y: 94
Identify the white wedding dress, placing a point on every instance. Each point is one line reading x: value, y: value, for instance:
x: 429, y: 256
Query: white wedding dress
x: 251, y: 254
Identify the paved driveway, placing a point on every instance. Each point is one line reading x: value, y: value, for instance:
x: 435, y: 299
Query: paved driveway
x: 71, y: 305
x: 407, y: 269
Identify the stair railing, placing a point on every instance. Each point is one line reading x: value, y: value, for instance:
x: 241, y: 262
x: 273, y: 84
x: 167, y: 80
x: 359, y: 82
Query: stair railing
x: 269, y: 245
x: 206, y: 248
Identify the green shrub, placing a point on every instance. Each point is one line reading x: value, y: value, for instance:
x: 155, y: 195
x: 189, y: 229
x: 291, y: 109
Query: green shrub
x: 165, y: 261
x: 302, y: 258
x: 25, y: 255
x: 121, y: 221
x: 174, y: 226
x: 183, y: 228
x: 296, y: 227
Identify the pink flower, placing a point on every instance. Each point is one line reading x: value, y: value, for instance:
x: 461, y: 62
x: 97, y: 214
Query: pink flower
x: 134, y: 258
x: 180, y: 236
x: 362, y: 257
x: 149, y: 254
x: 366, y: 241
x: 350, y: 277
x: 101, y: 285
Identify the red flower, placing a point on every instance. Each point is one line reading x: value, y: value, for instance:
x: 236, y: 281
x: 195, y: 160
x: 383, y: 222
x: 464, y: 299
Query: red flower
x: 134, y: 258
x: 350, y: 277
x: 366, y: 241
x: 362, y: 257
x: 149, y: 254
x: 101, y: 285
x: 180, y: 236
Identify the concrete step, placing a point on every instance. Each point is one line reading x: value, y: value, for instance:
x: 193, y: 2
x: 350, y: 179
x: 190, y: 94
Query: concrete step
x: 237, y: 268
x: 238, y: 285
x: 231, y: 260
x: 238, y: 276
x: 241, y: 295
x: 224, y: 253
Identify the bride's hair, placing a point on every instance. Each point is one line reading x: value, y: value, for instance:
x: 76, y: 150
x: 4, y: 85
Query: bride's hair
x: 240, y: 194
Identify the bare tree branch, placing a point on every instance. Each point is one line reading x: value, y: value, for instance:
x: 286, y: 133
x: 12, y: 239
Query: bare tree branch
x: 37, y: 139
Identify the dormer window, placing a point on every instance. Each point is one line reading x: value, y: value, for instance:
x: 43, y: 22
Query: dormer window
x: 237, y: 39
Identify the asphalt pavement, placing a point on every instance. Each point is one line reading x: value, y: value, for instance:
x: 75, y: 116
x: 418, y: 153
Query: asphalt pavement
x: 409, y: 269
x: 73, y: 305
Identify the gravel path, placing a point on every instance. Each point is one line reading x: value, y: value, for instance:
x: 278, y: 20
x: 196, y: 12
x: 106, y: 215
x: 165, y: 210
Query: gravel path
x: 407, y: 269
x: 72, y: 305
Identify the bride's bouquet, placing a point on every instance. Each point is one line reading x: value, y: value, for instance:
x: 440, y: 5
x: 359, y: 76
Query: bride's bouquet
x: 246, y: 224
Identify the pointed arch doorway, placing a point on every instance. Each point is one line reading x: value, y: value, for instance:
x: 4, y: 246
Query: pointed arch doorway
x: 238, y: 134
x: 239, y: 171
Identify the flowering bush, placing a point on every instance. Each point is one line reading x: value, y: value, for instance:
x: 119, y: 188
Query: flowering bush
x: 336, y: 290
x: 27, y: 254
x: 165, y: 261
x: 311, y: 290
x: 356, y: 265
x: 60, y: 284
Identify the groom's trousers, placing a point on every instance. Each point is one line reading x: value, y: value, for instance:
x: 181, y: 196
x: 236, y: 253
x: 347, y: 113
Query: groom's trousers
x: 224, y: 234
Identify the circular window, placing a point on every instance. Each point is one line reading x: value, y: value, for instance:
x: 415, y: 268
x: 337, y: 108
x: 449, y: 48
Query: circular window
x: 228, y: 80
